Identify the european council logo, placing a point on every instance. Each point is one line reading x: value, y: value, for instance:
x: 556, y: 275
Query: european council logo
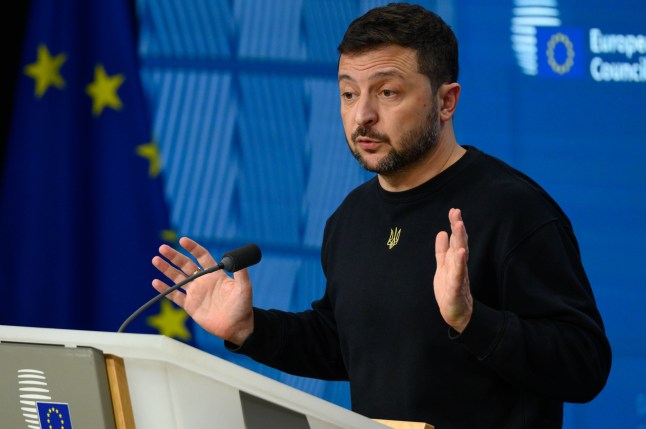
x: 561, y: 52
x: 54, y: 415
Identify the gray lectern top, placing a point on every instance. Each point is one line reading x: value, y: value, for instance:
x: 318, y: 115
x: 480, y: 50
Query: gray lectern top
x: 53, y: 386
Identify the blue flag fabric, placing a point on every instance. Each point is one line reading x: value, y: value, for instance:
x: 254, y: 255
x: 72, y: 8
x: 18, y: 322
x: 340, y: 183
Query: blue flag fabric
x: 54, y: 415
x: 81, y: 200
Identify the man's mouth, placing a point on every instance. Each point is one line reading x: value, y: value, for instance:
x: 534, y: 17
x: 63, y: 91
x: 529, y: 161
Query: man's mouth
x: 368, y: 144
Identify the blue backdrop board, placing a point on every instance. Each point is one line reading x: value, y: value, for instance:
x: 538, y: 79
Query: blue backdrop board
x: 244, y: 110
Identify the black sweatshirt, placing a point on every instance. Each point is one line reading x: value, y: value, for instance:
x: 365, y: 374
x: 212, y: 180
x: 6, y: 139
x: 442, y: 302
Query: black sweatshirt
x: 535, y: 339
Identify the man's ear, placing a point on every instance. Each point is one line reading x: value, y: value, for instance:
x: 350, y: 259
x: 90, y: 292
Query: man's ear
x: 448, y: 96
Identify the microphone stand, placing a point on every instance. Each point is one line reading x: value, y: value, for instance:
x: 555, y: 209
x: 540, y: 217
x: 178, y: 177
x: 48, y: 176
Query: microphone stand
x: 166, y: 292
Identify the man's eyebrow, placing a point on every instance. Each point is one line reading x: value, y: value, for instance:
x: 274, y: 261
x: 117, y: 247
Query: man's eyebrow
x: 386, y: 73
x: 374, y: 76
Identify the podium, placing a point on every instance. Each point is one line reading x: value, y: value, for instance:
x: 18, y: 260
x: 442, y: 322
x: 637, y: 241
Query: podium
x: 149, y: 381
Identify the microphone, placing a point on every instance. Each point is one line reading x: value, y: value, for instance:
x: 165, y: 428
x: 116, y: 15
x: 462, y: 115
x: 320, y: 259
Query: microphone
x: 232, y: 261
x: 240, y: 258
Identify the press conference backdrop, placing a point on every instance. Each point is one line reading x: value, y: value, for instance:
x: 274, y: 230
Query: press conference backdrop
x: 245, y: 106
x: 243, y: 103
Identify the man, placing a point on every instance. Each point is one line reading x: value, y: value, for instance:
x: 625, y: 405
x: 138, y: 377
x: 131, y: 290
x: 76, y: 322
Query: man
x: 496, y: 331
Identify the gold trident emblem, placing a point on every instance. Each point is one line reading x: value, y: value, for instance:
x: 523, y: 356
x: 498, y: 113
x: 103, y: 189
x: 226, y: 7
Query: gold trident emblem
x: 394, y: 237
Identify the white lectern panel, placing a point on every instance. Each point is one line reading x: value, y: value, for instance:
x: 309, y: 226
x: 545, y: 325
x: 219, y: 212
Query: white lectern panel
x: 173, y: 385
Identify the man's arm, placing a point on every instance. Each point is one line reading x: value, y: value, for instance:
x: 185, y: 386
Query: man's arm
x: 548, y: 335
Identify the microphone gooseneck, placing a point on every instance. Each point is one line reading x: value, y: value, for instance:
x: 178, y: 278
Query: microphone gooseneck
x: 232, y: 261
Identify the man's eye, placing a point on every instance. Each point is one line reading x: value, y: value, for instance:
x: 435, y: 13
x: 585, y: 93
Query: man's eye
x: 347, y: 95
x: 388, y: 92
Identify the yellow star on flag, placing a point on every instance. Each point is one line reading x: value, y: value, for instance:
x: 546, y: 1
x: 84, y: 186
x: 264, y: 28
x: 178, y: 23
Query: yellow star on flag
x: 150, y: 151
x: 46, y: 70
x: 103, y: 90
x: 170, y: 321
x: 169, y: 235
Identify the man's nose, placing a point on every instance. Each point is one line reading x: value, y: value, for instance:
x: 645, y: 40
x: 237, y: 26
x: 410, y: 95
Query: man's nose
x: 366, y: 113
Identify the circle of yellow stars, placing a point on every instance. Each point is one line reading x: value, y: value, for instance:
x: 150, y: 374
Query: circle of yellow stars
x: 53, y: 411
x: 46, y: 72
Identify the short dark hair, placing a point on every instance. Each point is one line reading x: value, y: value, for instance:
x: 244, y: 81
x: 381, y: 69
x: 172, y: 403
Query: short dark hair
x: 409, y: 26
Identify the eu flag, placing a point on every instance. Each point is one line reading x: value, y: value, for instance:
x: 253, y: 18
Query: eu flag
x: 81, y: 200
x: 561, y: 52
x: 54, y: 415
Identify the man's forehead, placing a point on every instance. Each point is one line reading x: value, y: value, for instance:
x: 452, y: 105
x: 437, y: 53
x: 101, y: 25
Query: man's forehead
x: 392, y: 60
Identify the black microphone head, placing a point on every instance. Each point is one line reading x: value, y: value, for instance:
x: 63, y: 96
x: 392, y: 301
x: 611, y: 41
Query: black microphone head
x: 240, y: 258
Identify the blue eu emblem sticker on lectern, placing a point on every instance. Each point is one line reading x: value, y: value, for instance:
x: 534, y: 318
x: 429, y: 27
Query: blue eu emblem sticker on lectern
x: 54, y: 415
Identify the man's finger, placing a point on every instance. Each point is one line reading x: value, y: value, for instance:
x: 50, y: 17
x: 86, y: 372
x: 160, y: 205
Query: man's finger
x: 168, y: 270
x: 183, y: 262
x: 175, y: 296
x: 459, y: 237
x: 242, y: 276
x: 199, y: 252
x: 441, y: 247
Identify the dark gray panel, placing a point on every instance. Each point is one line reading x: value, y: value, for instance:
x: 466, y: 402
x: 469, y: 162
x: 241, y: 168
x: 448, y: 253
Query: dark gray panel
x: 261, y: 414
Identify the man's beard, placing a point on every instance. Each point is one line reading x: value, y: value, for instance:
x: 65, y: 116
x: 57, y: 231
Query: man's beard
x: 415, y: 144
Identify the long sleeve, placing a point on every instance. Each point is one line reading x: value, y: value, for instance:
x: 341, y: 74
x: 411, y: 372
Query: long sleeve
x: 303, y: 343
x: 548, y: 336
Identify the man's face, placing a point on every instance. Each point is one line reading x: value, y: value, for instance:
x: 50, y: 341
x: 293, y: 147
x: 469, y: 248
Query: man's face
x: 389, y: 115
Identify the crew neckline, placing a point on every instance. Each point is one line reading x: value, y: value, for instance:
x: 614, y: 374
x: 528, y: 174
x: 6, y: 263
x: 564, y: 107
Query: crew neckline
x: 433, y: 184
